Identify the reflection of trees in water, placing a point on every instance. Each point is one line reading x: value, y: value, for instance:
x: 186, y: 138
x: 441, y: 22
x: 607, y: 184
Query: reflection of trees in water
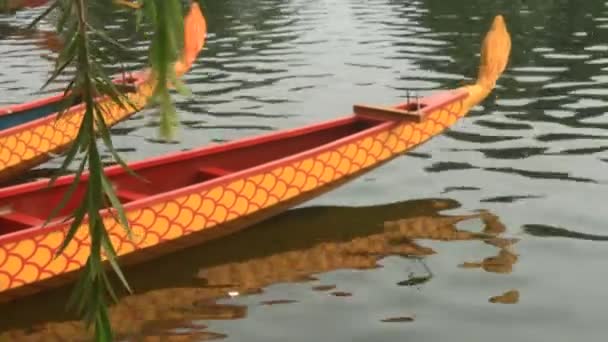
x: 251, y: 28
x: 533, y: 24
x: 562, y: 41
x: 11, y: 6
x: 46, y: 40
x: 243, y: 28
x: 182, y: 288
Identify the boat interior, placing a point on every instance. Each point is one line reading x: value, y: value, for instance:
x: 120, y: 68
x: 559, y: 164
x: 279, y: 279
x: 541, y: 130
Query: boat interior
x: 31, y: 208
x: 30, y: 114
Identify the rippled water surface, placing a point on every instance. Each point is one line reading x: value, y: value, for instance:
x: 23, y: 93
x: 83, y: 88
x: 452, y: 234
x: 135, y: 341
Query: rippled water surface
x: 493, y: 231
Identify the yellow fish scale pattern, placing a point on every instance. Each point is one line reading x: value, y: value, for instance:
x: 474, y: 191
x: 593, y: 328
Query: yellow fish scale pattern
x: 31, y: 260
x: 23, y: 146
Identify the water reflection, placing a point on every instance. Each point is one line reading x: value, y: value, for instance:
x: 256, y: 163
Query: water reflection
x: 181, y: 292
x: 11, y: 6
x: 552, y: 98
x: 45, y: 40
x: 509, y: 297
x: 531, y: 152
x: 409, y: 231
x: 542, y: 230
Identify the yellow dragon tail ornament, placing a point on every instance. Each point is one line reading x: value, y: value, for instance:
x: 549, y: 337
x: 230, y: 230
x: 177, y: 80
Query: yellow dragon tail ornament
x: 495, y: 52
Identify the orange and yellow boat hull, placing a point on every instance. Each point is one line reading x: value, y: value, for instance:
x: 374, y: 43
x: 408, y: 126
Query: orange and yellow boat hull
x: 180, y: 216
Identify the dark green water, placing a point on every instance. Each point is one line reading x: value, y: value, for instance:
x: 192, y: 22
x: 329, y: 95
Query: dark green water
x: 532, y: 158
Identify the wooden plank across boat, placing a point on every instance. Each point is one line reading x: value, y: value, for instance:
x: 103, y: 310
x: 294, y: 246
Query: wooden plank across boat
x: 188, y: 197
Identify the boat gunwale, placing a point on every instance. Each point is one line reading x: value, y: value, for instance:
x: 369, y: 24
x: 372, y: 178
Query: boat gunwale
x: 138, y: 80
x: 20, y: 107
x: 382, y: 125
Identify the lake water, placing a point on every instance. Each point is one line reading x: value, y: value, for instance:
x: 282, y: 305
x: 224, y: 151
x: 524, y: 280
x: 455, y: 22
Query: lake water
x: 395, y: 255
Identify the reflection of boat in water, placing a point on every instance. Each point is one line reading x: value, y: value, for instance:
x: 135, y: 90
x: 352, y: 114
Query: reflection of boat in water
x: 401, y: 237
x: 182, y: 287
x: 416, y: 229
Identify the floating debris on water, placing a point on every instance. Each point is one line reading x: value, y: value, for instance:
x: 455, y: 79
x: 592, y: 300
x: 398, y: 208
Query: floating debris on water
x: 324, y: 287
x: 278, y: 301
x: 401, y: 319
x: 413, y: 281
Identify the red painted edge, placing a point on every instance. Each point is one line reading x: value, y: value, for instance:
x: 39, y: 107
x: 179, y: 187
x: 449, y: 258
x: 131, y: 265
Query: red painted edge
x: 8, y: 110
x: 445, y: 97
x: 34, y: 3
x: 182, y: 155
x: 139, y: 78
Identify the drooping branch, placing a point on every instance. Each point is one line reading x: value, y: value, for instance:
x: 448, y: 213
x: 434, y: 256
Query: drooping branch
x: 90, y: 83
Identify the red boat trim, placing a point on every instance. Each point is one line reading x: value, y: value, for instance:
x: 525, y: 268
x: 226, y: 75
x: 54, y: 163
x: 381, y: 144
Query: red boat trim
x: 57, y: 223
x: 30, y: 105
x: 136, y: 78
x: 183, y: 155
x: 178, y: 156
